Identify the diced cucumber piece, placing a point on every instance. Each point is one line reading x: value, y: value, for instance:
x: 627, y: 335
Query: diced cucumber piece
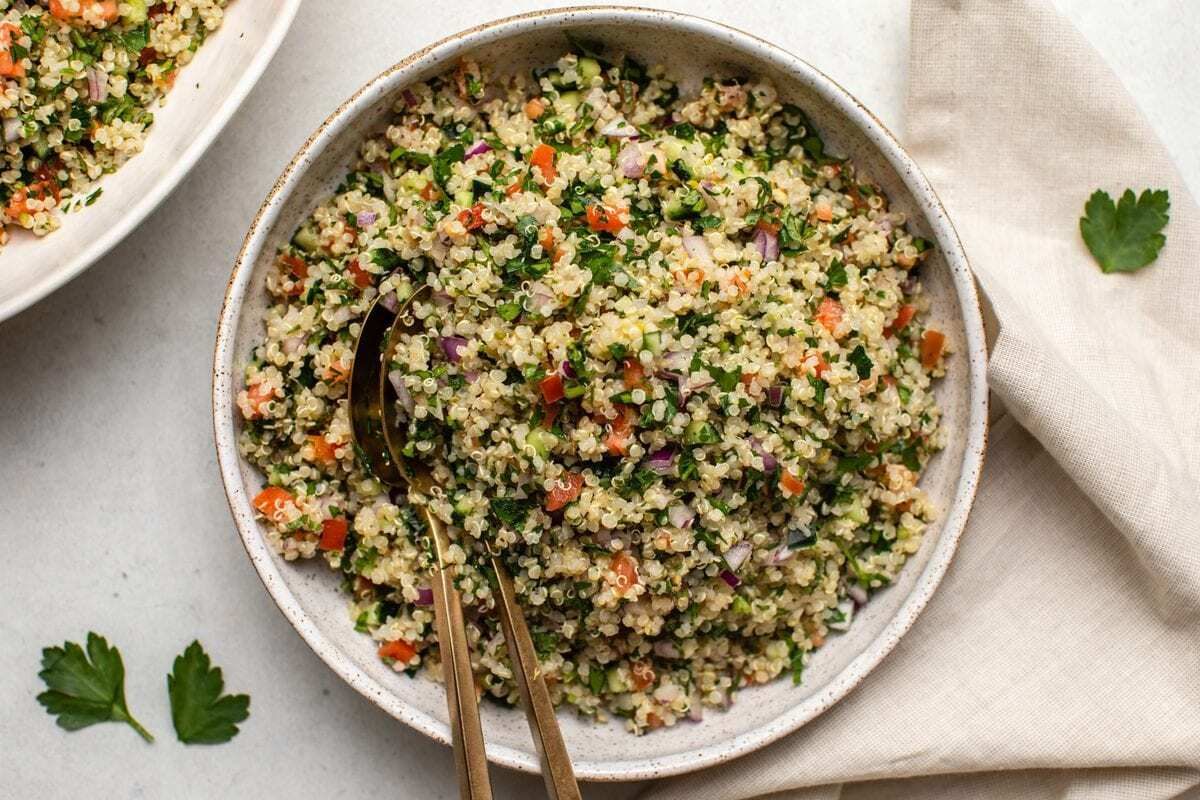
x: 672, y: 148
x: 135, y: 12
x: 306, y: 239
x: 616, y: 684
x: 588, y: 68
x: 652, y: 341
x: 839, y: 619
x: 461, y: 506
x: 567, y: 100
x: 698, y: 432
x: 740, y: 605
x: 465, y: 199
x: 541, y: 441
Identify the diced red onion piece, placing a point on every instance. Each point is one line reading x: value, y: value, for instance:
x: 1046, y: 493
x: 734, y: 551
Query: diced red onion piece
x: 781, y: 554
x: 390, y: 302
x: 769, y: 461
x: 424, y: 596
x: 479, y: 147
x: 697, y: 248
x: 630, y: 161
x: 453, y: 347
x: 619, y: 129
x: 97, y: 85
x: 736, y: 556
x: 667, y: 649
x: 681, y: 516
x: 12, y: 130
x: 679, y: 360
x: 733, y: 580
x: 471, y: 376
x: 662, y: 462
x: 857, y: 593
x: 767, y: 244
x: 541, y: 299
x: 410, y: 99
x: 396, y: 378
x: 366, y: 219
x: 566, y: 370
x: 885, y: 226
x: 775, y: 396
x: 441, y: 299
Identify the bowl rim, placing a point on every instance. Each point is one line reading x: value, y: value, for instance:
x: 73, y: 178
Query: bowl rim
x: 126, y: 223
x: 974, y: 348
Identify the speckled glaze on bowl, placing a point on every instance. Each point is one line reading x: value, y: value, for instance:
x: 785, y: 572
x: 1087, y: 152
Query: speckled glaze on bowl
x: 691, y: 48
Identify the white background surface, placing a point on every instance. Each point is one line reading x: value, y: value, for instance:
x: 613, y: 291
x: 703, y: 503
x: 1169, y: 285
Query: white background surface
x: 112, y: 516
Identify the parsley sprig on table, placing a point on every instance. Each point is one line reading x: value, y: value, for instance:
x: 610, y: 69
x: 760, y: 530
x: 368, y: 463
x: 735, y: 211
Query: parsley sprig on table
x: 202, y: 715
x: 86, y: 688
x: 1124, y: 236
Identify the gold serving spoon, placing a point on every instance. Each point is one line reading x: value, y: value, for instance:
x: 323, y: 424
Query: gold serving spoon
x: 366, y: 425
x: 383, y: 418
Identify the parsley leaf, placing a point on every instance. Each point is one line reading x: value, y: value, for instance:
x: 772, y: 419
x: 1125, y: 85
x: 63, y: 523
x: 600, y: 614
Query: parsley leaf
x: 202, y: 715
x: 1125, y: 237
x: 861, y: 361
x: 82, y: 692
x: 510, y: 511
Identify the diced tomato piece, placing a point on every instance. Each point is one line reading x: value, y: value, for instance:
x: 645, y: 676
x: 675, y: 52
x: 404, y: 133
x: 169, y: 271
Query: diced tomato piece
x: 17, y: 205
x: 399, y: 651
x: 624, y: 570
x: 296, y: 266
x: 769, y: 227
x: 620, y: 433
x: 641, y: 675
x: 821, y: 366
x: 741, y: 279
x: 633, y: 374
x: 552, y: 388
x: 323, y: 451
x: 156, y: 10
x: 564, y: 491
x: 513, y: 189
x: 546, y: 240
x: 362, y: 279
x: 542, y: 157
x: 270, y: 502
x: 535, y: 108
x: 790, y: 484
x: 932, y: 344
x: 904, y: 315
x: 830, y: 314
x: 600, y: 218
x: 824, y: 212
x: 333, y: 534
x: 472, y: 218
x: 430, y: 191
x: 108, y: 9
x: 257, y: 397
x: 10, y: 67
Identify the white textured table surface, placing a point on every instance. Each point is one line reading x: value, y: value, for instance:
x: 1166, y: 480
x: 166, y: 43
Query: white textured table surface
x: 112, y: 516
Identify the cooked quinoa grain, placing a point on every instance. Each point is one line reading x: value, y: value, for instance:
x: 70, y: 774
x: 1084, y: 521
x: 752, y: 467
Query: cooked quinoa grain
x: 673, y: 366
x: 77, y: 81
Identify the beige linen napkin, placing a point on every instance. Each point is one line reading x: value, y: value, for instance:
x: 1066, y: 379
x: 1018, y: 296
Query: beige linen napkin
x: 1061, y: 656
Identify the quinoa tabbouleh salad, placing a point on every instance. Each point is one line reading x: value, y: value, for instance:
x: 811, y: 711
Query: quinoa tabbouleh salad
x: 674, y: 368
x: 77, y: 79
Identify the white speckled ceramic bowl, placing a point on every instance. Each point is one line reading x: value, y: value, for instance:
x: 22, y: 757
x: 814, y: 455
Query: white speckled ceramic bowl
x: 691, y: 48
x: 209, y: 91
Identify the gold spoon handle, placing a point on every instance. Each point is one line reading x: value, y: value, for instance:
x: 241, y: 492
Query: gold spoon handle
x: 543, y: 724
x: 466, y: 734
